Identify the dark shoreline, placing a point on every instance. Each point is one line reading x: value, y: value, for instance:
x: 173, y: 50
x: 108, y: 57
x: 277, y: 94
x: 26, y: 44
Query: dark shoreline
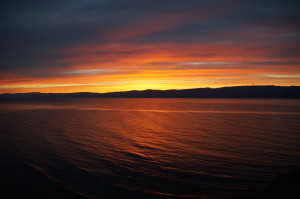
x: 286, y: 92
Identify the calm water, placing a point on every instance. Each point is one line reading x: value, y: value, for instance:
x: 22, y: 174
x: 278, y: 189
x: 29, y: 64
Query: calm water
x: 146, y: 148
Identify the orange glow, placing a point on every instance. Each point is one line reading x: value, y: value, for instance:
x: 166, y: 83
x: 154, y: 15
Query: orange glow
x: 163, y: 66
x: 150, y: 45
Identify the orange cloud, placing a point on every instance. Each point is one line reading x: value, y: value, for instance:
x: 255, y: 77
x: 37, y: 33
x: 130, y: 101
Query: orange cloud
x: 165, y: 65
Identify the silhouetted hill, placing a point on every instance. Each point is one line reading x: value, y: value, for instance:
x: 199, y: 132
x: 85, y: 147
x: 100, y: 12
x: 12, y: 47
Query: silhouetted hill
x: 225, y: 92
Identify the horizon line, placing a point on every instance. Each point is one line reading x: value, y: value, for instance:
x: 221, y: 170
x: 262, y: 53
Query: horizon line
x: 154, y: 89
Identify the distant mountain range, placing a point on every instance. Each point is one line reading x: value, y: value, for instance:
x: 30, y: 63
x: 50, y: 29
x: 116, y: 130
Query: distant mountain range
x: 224, y: 92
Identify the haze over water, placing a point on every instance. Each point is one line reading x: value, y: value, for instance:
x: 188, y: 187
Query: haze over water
x: 106, y: 148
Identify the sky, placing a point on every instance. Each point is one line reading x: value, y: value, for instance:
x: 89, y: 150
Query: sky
x: 102, y: 46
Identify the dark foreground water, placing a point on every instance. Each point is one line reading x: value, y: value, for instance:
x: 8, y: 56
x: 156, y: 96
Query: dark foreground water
x: 145, y: 148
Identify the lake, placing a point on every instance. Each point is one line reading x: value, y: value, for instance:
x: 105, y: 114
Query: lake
x: 145, y: 148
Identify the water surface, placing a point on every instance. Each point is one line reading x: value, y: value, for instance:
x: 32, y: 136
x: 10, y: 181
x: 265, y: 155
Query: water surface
x: 146, y: 148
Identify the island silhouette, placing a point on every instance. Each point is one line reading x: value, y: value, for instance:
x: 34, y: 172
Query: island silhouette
x: 223, y: 92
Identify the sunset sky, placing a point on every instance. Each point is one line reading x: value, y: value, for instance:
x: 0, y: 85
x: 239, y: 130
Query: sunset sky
x: 119, y: 45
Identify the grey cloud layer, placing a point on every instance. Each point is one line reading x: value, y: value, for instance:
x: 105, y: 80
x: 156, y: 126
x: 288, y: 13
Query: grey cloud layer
x: 35, y: 33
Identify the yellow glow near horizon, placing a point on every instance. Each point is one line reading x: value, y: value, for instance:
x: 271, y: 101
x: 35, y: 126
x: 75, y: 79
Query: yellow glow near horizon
x: 171, y: 46
x: 170, y: 77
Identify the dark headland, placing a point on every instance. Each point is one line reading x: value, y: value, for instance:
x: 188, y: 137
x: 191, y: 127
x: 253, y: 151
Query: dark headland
x: 224, y: 92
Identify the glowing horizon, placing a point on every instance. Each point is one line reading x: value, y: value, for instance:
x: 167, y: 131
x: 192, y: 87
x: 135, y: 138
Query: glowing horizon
x: 107, y: 46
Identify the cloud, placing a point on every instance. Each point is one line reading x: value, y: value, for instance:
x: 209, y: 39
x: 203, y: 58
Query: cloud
x: 67, y: 38
x: 282, y: 76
